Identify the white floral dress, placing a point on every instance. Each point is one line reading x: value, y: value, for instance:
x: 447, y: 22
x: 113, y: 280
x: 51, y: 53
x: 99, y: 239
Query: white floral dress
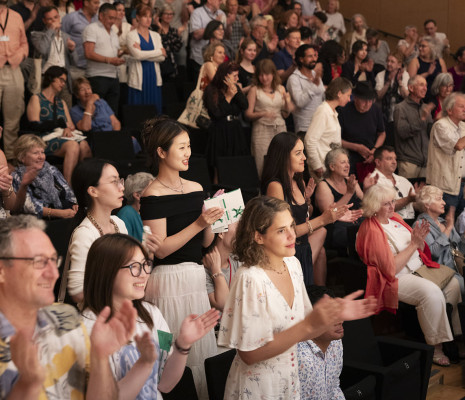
x: 254, y: 311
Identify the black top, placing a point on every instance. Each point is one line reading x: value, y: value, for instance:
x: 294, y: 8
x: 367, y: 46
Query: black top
x: 337, y: 196
x: 180, y: 210
x: 245, y: 77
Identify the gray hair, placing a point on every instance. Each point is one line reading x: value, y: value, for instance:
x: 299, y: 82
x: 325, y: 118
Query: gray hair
x: 257, y: 20
x: 352, y: 20
x: 408, y: 27
x: 427, y: 195
x: 414, y: 80
x: 332, y: 155
x: 16, y: 223
x: 443, y: 79
x: 374, y: 197
x: 136, y: 184
x: 429, y: 40
x: 166, y: 7
x: 449, y: 102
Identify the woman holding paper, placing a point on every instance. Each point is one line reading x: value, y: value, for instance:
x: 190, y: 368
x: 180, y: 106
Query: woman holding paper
x: 172, y: 208
x: 47, y: 112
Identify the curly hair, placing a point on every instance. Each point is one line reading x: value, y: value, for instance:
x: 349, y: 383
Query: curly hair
x: 258, y: 216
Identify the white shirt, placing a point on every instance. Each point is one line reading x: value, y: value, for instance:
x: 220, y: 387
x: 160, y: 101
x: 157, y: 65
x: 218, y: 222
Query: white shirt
x: 403, y: 186
x: 401, y: 237
x: 106, y: 44
x: 323, y: 130
x: 306, y: 96
x: 57, y: 53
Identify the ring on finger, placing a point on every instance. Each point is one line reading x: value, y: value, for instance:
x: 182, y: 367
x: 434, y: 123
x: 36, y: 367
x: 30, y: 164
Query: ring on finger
x: 335, y: 209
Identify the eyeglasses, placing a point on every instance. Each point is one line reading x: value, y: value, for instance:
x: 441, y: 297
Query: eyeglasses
x: 136, y: 268
x: 263, y: 26
x: 62, y: 80
x: 399, y: 193
x: 38, y: 262
x: 116, y: 182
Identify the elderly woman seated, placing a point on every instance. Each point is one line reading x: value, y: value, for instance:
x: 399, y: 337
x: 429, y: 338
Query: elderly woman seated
x: 92, y: 113
x: 48, y: 195
x: 339, y: 188
x: 47, y: 112
x: 442, y: 236
x: 134, y: 185
x: 392, y: 252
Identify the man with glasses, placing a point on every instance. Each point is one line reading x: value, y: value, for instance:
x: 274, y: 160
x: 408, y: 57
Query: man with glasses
x: 386, y: 163
x: 46, y: 352
x: 259, y: 28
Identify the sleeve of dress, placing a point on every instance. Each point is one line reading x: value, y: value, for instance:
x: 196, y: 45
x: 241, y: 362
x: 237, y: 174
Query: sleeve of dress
x: 82, y: 239
x: 246, y: 324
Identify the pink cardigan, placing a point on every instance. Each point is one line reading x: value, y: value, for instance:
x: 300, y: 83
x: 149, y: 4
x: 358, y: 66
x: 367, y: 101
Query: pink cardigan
x: 373, y: 248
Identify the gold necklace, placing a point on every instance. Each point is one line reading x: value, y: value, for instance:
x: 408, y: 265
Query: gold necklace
x: 179, y: 189
x: 97, y: 226
x: 278, y: 272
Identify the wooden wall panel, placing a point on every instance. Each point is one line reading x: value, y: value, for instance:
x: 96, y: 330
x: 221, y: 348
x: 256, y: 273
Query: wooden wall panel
x: 393, y: 15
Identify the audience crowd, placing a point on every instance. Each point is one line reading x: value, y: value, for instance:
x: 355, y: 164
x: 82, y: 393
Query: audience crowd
x: 347, y: 135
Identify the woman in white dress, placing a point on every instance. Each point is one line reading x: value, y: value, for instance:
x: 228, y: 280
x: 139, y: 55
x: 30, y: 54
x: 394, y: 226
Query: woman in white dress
x: 268, y: 311
x: 117, y: 270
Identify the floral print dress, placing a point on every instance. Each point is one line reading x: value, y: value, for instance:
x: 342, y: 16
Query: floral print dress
x: 254, y: 312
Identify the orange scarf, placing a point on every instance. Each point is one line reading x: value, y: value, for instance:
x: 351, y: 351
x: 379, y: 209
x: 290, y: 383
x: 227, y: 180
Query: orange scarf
x: 373, y: 248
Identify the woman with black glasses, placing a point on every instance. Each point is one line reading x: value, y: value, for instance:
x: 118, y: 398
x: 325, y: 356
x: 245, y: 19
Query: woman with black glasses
x: 117, y: 269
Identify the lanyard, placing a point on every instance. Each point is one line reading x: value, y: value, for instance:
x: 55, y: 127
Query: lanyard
x: 6, y: 21
x: 55, y: 41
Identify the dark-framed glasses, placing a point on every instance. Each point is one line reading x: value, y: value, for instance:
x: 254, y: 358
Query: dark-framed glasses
x: 136, y: 268
x: 399, y: 193
x: 38, y: 262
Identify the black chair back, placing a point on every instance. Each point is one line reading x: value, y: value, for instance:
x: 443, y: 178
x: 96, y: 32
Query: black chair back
x: 185, y: 389
x: 217, y: 370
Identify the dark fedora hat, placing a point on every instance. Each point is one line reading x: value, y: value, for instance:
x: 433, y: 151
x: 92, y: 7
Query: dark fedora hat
x: 364, y: 90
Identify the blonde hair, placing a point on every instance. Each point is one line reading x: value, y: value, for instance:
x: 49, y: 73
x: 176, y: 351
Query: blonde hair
x: 426, y: 196
x: 258, y: 216
x: 210, y: 50
x: 374, y: 197
x: 25, y: 143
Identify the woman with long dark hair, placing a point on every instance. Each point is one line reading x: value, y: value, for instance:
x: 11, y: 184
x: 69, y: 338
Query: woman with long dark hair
x: 117, y: 269
x: 359, y: 67
x: 224, y: 101
x: 283, y: 179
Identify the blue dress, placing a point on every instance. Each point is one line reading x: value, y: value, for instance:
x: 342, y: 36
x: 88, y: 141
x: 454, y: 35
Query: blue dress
x: 150, y: 93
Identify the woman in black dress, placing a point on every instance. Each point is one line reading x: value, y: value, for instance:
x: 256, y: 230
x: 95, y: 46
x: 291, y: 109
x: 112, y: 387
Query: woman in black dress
x: 172, y: 208
x: 224, y: 101
x: 282, y: 178
x: 339, y: 189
